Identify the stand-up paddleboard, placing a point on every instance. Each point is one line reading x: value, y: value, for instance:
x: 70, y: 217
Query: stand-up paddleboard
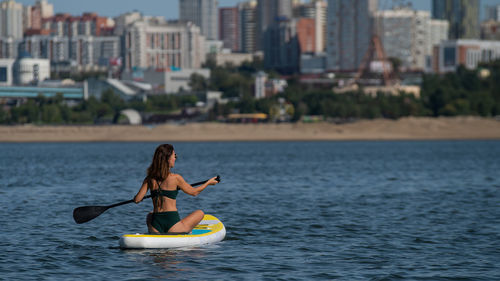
x: 210, y: 230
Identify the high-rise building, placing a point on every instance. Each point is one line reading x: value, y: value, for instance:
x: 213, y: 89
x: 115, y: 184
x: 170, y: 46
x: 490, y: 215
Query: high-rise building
x: 90, y: 50
x: 9, y: 47
x: 410, y: 36
x: 41, y: 10
x: 438, y: 30
x: 46, y: 9
x: 202, y: 13
x: 248, y: 24
x: 161, y: 45
x: 349, y: 32
x: 54, y: 48
x: 27, y: 18
x: 229, y: 28
x: 316, y: 10
x: 271, y: 12
x: 404, y: 34
x: 463, y: 16
x: 11, y: 19
x: 123, y: 20
x: 281, y: 46
x: 492, y: 12
x: 306, y: 35
x: 79, y: 50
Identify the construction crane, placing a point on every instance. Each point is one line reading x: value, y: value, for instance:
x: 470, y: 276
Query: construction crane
x: 375, y: 51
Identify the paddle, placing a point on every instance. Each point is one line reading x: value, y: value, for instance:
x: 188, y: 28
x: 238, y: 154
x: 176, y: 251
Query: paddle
x: 86, y: 213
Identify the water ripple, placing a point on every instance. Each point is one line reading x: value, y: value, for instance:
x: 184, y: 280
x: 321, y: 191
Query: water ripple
x: 293, y: 211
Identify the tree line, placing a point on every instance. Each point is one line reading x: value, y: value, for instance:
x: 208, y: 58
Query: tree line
x: 464, y: 92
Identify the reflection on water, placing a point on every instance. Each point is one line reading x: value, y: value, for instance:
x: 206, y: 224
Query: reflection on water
x: 168, y: 264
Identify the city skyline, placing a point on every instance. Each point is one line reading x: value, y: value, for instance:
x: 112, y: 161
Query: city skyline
x: 170, y: 9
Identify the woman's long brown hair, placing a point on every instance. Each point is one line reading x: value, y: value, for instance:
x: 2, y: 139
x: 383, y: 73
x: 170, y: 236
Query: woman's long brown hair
x: 159, y: 169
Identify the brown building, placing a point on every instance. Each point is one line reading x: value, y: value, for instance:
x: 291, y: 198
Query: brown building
x: 66, y: 25
x: 229, y: 28
x: 36, y: 18
x: 306, y: 33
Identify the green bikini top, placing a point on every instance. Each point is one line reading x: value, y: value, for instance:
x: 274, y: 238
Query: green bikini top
x: 172, y: 194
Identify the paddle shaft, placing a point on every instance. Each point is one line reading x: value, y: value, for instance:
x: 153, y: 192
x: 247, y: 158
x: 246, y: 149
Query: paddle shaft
x: 149, y: 196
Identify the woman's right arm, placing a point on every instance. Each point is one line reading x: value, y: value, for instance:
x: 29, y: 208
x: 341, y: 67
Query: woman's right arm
x: 142, y: 192
x: 188, y: 189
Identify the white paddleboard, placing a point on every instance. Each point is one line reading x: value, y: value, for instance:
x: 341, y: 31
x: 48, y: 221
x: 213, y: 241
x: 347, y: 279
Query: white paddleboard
x: 210, y: 230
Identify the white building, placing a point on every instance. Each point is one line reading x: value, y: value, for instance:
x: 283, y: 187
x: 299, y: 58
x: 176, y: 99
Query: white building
x: 403, y: 35
x: 46, y: 9
x: 409, y: 35
x: 203, y: 13
x: 11, y: 19
x: 438, y: 30
x: 162, y: 45
x: 234, y: 59
x: 9, y: 47
x: 123, y: 20
x: 94, y: 51
x: 260, y: 85
x: 31, y: 71
x: 79, y: 51
x: 53, y: 48
x: 169, y: 82
x: 23, y: 71
x: 214, y: 47
x: 450, y: 54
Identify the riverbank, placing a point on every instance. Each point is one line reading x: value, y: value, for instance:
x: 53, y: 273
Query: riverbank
x: 411, y: 128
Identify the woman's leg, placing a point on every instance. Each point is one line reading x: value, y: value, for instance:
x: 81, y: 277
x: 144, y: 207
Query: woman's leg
x: 188, y: 223
x: 149, y: 219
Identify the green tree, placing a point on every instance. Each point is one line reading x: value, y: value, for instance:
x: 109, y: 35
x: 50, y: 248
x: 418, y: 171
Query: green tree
x: 198, y: 82
x: 113, y: 100
x: 51, y: 114
x: 4, y: 116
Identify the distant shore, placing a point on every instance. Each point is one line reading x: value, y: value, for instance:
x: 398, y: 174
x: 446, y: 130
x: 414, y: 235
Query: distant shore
x: 411, y: 128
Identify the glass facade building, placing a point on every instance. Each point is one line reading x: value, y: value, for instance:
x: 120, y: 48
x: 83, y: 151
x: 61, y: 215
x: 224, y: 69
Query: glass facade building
x: 463, y: 16
x: 349, y: 31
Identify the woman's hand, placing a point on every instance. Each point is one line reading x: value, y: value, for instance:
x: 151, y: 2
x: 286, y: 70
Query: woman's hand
x: 213, y: 181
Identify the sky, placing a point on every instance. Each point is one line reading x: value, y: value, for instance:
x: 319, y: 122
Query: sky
x: 170, y: 8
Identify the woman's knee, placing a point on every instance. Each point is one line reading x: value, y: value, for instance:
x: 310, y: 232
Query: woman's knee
x: 199, y: 213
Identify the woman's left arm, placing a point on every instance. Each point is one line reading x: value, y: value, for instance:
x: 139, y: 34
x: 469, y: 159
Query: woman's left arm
x: 142, y: 192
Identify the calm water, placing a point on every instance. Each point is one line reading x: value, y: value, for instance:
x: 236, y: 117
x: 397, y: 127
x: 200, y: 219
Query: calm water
x: 293, y: 210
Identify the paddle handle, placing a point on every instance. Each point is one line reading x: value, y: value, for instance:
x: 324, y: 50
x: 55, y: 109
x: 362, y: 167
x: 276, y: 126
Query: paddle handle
x: 149, y: 196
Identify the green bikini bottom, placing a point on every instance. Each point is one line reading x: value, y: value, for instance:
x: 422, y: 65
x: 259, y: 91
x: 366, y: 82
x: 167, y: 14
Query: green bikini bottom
x: 165, y: 220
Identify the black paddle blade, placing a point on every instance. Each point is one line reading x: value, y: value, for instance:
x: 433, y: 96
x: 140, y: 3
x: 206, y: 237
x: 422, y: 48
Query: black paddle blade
x: 86, y: 213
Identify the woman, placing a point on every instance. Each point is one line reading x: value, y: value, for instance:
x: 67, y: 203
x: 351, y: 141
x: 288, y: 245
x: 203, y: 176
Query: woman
x: 164, y: 187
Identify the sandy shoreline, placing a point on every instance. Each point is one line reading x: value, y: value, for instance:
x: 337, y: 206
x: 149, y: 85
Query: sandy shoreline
x: 457, y: 128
